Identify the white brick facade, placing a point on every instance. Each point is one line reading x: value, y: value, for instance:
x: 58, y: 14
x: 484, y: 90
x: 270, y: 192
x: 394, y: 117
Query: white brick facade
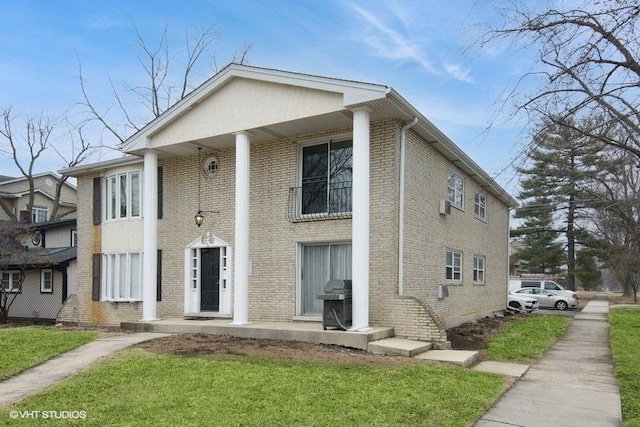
x: 274, y: 245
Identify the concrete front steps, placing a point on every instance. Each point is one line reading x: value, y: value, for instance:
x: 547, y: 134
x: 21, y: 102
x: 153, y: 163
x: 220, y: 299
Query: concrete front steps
x: 424, y: 351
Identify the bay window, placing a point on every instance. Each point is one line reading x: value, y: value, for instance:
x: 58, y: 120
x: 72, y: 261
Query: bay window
x: 123, y: 193
x: 123, y: 276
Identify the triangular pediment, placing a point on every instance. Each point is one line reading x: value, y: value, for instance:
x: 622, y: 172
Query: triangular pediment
x: 245, y: 99
x: 245, y: 104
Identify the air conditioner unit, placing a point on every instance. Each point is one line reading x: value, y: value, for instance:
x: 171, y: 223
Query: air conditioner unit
x: 445, y: 207
x: 443, y: 291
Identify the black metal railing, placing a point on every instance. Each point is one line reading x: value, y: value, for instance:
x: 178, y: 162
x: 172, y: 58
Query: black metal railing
x: 318, y: 201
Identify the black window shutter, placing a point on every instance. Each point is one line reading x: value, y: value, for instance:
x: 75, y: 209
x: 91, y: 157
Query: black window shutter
x: 97, y: 276
x: 159, y: 277
x: 97, y: 205
x: 160, y: 183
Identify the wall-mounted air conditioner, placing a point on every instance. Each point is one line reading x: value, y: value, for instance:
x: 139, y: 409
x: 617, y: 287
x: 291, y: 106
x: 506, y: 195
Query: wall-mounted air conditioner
x: 443, y: 291
x: 445, y: 207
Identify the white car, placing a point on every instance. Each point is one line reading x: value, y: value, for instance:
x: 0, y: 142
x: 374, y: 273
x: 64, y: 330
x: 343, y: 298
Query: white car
x: 548, y: 299
x: 521, y: 303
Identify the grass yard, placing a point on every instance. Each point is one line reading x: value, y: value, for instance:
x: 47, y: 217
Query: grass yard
x: 142, y: 388
x: 526, y: 339
x: 28, y: 346
x: 625, y: 342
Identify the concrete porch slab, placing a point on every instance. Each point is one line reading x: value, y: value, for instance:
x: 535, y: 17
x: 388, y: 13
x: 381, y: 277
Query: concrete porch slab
x: 457, y: 357
x: 311, y: 332
x: 504, y: 368
x: 398, y: 347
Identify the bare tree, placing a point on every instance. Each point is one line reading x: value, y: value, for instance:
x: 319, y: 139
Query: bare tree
x: 15, y: 260
x: 616, y: 217
x: 168, y: 77
x: 27, y: 146
x: 588, y: 64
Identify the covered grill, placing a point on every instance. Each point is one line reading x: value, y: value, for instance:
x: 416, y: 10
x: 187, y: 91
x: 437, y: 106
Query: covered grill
x: 336, y: 310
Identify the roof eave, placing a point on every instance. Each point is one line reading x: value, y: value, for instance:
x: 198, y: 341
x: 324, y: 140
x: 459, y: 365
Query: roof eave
x: 447, y: 147
x: 100, y: 166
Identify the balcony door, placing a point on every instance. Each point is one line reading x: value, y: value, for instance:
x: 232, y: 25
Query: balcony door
x: 320, y: 263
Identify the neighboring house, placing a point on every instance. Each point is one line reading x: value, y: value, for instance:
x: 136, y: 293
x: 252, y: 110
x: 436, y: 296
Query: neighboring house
x: 296, y: 179
x: 14, y: 195
x: 49, y: 266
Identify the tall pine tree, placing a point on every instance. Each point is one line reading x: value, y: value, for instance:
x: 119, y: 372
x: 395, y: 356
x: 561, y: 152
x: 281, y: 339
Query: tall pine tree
x: 540, y: 252
x: 553, y: 192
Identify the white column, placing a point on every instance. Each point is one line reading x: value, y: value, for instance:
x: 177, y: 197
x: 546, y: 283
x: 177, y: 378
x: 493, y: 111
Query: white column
x: 360, y: 221
x: 150, y: 245
x: 241, y: 271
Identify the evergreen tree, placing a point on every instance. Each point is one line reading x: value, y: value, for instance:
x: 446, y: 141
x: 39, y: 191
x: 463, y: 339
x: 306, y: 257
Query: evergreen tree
x: 541, y: 252
x: 587, y: 270
x: 560, y: 164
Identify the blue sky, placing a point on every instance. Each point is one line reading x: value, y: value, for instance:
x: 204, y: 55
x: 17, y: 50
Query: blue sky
x: 422, y: 48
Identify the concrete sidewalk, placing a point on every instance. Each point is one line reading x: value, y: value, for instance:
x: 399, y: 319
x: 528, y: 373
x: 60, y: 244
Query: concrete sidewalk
x: 574, y: 384
x: 63, y: 366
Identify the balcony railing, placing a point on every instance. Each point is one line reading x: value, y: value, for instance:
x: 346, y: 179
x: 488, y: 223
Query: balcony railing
x: 319, y: 201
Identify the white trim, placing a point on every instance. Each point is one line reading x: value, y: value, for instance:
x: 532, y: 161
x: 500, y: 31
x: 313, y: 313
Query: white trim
x: 454, y: 202
x: 483, y: 269
x: 10, y: 288
x: 192, y: 284
x: 115, y: 258
x: 453, y: 280
x: 476, y: 204
x: 43, y: 290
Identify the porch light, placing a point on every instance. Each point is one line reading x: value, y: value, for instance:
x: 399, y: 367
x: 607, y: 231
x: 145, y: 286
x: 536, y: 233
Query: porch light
x: 199, y: 218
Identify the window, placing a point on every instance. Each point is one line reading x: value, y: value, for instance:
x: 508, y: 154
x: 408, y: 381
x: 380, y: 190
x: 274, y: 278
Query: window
x: 327, y: 172
x: 123, y: 196
x: 320, y: 263
x: 74, y: 237
x: 530, y: 284
x: 455, y: 189
x: 211, y: 166
x: 480, y: 206
x: 454, y: 266
x: 11, y: 281
x: 46, y: 281
x: 478, y: 268
x: 39, y: 214
x: 123, y: 276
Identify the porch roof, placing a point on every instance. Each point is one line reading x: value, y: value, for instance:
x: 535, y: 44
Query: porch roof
x: 272, y: 104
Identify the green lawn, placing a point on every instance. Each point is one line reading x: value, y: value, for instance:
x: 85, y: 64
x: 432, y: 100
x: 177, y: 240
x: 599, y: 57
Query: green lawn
x: 140, y: 388
x: 625, y: 345
x: 525, y: 339
x: 25, y: 347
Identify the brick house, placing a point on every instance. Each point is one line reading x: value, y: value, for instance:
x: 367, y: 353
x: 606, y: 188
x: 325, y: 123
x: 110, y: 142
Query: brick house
x: 297, y: 179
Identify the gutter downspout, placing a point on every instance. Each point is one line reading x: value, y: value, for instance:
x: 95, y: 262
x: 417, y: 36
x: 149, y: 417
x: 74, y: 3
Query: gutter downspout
x: 403, y: 140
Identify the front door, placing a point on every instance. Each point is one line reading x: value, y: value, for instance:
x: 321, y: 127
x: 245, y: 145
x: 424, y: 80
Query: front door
x: 210, y: 279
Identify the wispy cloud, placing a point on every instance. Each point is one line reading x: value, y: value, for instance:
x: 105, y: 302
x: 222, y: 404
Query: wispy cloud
x: 105, y: 23
x: 457, y: 72
x: 399, y: 42
x: 391, y: 44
